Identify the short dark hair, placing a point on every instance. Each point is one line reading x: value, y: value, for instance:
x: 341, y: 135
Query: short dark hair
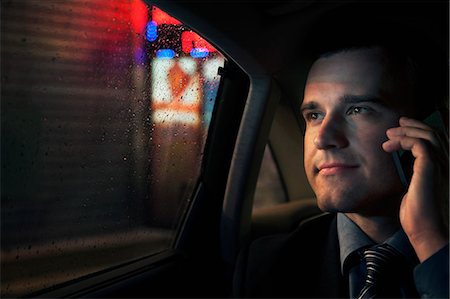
x: 400, y: 78
x: 417, y: 59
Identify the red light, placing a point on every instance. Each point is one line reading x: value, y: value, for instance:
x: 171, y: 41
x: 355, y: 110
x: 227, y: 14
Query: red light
x: 160, y: 17
x: 139, y: 16
x: 190, y: 40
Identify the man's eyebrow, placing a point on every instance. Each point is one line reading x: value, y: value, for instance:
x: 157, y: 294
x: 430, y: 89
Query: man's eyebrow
x: 346, y: 99
x: 355, y: 99
x: 309, y: 106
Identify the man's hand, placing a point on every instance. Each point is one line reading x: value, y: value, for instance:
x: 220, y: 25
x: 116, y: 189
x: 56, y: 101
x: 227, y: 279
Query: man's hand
x: 421, y: 210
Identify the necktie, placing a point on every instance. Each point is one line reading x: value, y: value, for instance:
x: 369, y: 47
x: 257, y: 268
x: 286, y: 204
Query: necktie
x: 383, y: 262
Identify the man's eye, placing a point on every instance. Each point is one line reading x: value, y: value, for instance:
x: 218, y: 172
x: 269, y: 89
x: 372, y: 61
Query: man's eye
x: 312, y: 116
x: 358, y: 110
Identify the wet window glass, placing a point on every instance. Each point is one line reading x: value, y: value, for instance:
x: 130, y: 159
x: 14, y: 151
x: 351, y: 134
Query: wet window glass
x: 105, y: 111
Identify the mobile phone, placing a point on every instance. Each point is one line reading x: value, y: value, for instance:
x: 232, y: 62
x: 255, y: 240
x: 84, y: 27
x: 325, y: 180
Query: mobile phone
x: 404, y: 160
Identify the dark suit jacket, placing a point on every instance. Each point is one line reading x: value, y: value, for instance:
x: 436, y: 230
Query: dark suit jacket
x: 302, y: 264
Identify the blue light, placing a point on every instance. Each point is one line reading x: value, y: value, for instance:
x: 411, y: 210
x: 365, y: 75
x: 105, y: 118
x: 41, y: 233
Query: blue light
x: 151, y: 31
x: 199, y: 52
x: 165, y: 54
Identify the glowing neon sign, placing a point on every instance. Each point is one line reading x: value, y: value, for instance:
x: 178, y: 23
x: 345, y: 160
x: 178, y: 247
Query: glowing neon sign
x: 185, y: 83
x: 177, y: 92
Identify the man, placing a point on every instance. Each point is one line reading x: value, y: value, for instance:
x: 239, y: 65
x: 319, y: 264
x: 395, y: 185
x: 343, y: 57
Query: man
x: 357, y: 107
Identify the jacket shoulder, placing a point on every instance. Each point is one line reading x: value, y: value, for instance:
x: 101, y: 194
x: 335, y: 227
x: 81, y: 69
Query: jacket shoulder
x: 265, y: 267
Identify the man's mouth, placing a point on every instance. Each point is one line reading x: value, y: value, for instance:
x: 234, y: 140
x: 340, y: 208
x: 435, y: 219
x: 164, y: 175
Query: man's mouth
x: 334, y: 168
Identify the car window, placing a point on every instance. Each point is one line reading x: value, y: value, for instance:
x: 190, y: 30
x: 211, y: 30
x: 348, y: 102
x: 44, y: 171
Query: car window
x: 105, y: 112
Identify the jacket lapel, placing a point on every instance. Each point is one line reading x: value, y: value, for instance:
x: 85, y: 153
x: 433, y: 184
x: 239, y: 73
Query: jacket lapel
x: 332, y: 284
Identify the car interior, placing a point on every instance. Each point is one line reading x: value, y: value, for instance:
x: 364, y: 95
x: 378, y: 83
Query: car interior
x: 255, y: 130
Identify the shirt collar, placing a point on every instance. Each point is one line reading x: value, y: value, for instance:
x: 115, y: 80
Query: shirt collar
x: 400, y: 241
x: 352, y: 238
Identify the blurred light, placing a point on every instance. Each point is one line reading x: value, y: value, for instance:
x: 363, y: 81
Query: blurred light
x: 165, y: 54
x: 161, y: 89
x: 170, y: 116
x: 151, y: 32
x: 160, y: 17
x: 139, y: 16
x: 188, y: 65
x: 177, y: 91
x: 211, y: 67
x: 192, y: 96
x: 190, y: 40
x: 199, y: 52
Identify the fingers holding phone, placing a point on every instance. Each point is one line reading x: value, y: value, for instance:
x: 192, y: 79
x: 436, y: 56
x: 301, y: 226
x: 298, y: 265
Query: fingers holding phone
x: 427, y: 140
x: 421, y: 209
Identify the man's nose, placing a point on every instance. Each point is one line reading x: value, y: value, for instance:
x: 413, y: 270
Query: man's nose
x: 332, y: 133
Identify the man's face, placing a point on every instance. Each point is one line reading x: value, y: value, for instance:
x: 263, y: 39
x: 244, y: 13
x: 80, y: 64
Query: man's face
x: 346, y: 122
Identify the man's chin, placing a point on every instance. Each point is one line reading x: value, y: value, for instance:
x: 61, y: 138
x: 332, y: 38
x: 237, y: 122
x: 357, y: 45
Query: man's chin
x: 326, y: 206
x: 359, y: 205
x: 332, y: 205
